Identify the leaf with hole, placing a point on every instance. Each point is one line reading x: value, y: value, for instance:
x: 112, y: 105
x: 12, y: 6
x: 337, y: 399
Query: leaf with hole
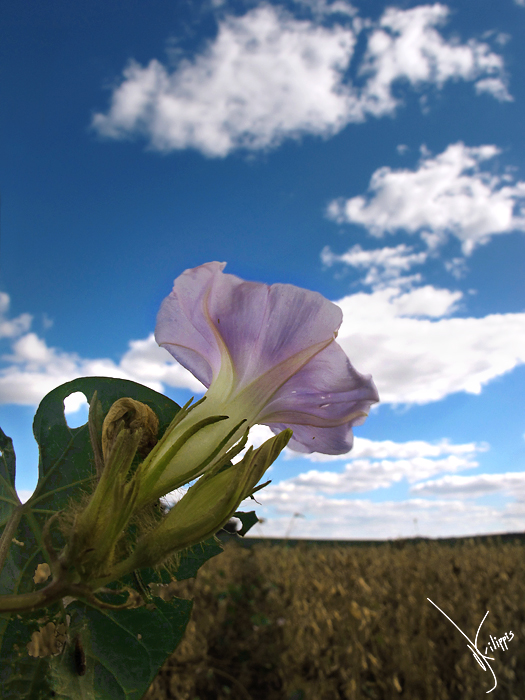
x: 66, y: 470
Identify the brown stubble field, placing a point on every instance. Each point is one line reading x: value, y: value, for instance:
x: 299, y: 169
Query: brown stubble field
x: 317, y: 622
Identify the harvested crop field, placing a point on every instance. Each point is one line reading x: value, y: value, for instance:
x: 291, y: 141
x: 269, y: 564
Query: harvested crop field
x: 317, y: 622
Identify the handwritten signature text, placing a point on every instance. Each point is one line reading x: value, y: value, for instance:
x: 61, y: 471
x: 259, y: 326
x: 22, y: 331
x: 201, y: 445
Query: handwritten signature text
x: 494, y: 643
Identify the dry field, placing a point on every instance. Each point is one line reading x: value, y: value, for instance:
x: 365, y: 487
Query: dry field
x: 314, y: 622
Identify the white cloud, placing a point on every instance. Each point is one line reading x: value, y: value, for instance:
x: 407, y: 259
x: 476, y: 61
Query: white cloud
x: 75, y: 403
x: 384, y: 266
x: 407, y: 46
x: 457, y: 267
x: 446, y: 194
x: 11, y: 328
x: 268, y: 76
x: 377, y: 464
x: 152, y: 365
x: 494, y: 87
x: 32, y: 369
x: 323, y: 8
x: 474, y: 486
x: 321, y: 495
x: 363, y: 310
x: 388, y: 449
x: 360, y: 475
x: 265, y: 76
x: 404, y: 339
x: 415, y: 355
x: 355, y: 518
x: 500, y: 38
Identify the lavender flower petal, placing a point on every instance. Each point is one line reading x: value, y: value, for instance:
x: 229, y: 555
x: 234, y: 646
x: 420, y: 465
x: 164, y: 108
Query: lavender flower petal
x: 271, y: 349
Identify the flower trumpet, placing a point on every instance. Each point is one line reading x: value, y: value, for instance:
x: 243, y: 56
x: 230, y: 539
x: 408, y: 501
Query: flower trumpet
x: 267, y: 354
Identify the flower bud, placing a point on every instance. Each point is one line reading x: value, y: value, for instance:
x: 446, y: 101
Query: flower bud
x: 207, y: 505
x: 133, y: 415
x: 129, y: 427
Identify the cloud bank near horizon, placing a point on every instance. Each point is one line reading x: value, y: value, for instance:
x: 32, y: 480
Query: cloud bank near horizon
x: 341, y: 503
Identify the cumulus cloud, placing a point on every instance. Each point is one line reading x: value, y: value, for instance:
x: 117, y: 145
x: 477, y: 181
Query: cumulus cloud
x: 32, y: 369
x: 407, y: 340
x: 268, y: 76
x: 446, y: 194
x: 331, y: 510
x: 413, y: 460
x: 388, y: 449
x: 418, y: 355
x: 324, y: 8
x: 494, y: 87
x: 373, y: 465
x: 11, y: 328
x: 512, y: 483
x: 152, y: 365
x: 360, y: 475
x: 407, y: 46
x: 457, y: 267
x: 264, y: 76
x: 384, y: 266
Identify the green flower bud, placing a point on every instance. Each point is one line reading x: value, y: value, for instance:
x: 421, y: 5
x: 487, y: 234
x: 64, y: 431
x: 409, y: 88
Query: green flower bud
x: 207, y: 505
x: 129, y: 427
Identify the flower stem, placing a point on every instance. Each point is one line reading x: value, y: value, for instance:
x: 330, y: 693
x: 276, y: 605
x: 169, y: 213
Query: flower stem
x: 27, y: 602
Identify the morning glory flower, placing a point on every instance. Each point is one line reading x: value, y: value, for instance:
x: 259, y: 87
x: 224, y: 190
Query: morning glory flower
x: 268, y: 355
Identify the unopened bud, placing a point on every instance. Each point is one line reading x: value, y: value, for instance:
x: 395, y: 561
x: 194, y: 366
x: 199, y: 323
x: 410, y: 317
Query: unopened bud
x: 207, y: 505
x: 130, y: 427
x: 128, y: 414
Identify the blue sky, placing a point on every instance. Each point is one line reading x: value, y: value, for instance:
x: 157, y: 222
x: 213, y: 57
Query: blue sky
x: 371, y: 152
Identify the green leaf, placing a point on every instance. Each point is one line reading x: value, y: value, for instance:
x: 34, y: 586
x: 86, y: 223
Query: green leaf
x: 21, y: 675
x: 194, y: 557
x: 248, y: 520
x: 119, y: 663
x: 66, y: 469
x: 123, y: 650
x: 7, y: 467
x: 61, y: 445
